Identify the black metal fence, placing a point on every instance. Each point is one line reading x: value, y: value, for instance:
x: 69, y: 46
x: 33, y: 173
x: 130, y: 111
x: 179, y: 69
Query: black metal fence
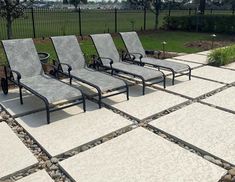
x: 51, y: 22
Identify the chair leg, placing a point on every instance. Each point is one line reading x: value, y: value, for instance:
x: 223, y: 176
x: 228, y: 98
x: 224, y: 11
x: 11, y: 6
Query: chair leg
x: 143, y: 87
x: 164, y: 81
x: 70, y: 80
x: 173, y: 78
x: 21, y: 97
x: 127, y: 92
x: 84, y: 103
x: 99, y: 101
x: 48, y: 114
x: 189, y: 74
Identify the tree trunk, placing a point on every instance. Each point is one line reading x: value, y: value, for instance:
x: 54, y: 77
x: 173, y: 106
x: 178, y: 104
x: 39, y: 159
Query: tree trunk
x: 202, y: 6
x: 9, y: 27
x: 157, y: 9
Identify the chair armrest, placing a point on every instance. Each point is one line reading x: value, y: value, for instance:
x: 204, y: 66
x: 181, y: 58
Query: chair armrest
x: 105, y: 58
x: 18, y: 75
x: 136, y: 53
x: 152, y: 52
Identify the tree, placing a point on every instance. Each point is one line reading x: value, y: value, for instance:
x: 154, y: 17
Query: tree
x: 77, y: 2
x: 11, y: 10
x: 153, y: 5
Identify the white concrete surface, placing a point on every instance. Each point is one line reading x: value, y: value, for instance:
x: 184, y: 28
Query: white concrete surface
x: 215, y: 73
x: 231, y: 66
x: 71, y: 127
x: 40, y: 176
x: 138, y: 156
x: 14, y: 156
x: 142, y: 106
x: 196, y: 58
x: 11, y: 103
x: 205, y: 127
x: 206, y: 53
x: 191, y: 64
x: 223, y: 99
x: 192, y: 88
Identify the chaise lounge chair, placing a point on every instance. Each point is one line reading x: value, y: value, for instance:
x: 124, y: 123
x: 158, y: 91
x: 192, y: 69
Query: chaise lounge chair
x: 109, y: 58
x: 137, y: 54
x: 25, y: 71
x: 70, y: 55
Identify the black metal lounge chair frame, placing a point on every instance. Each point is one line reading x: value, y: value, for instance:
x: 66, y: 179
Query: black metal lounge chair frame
x: 130, y: 57
x: 98, y: 63
x: 4, y: 84
x: 99, y: 92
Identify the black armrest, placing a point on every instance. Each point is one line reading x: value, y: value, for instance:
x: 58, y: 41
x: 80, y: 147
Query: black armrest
x: 18, y: 75
x: 110, y: 60
x: 136, y: 53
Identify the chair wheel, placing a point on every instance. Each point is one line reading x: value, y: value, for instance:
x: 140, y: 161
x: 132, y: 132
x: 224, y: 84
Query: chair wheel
x: 52, y: 72
x: 4, y: 85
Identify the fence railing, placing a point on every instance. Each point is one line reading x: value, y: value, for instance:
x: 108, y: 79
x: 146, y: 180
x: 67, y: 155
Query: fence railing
x: 52, y: 22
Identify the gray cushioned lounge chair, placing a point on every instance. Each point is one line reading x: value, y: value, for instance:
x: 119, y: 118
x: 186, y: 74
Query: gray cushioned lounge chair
x: 69, y: 54
x: 25, y: 71
x: 109, y: 58
x: 137, y: 53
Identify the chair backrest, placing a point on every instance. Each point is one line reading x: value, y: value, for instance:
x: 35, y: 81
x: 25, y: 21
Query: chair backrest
x: 23, y: 57
x: 68, y: 51
x: 132, y: 42
x: 105, y: 46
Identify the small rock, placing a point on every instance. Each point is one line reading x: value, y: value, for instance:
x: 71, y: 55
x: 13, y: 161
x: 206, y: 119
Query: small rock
x: 54, y: 160
x: 84, y: 148
x: 53, y: 167
x: 233, y: 179
x: 68, y: 154
x: 228, y: 178
x: 218, y: 162
x: 48, y: 163
x: 226, y: 166
x: 209, y: 158
x: 232, y: 171
x: 105, y: 139
x: 1, y: 118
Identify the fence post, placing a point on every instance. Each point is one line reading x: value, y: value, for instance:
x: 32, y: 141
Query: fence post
x: 33, y: 23
x: 145, y: 12
x: 195, y: 11
x: 80, y: 21
x: 233, y: 10
x: 169, y: 11
x: 211, y: 10
x: 115, y: 16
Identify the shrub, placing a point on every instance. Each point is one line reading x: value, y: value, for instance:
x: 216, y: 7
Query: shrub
x: 222, y: 56
x: 205, y: 23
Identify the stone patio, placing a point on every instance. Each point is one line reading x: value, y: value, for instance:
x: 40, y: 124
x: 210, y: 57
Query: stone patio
x: 138, y: 156
x: 224, y: 99
x: 216, y: 74
x: 14, y: 156
x: 71, y: 127
x: 163, y: 135
x: 192, y: 88
x: 195, y: 58
x: 40, y: 176
x: 207, y: 128
x: 143, y: 106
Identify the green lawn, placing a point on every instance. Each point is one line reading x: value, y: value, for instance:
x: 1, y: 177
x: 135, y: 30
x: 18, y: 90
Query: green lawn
x: 151, y: 40
x: 64, y: 22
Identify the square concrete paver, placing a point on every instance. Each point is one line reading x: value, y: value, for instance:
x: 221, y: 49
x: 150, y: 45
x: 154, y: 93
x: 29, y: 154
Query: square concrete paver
x: 215, y: 73
x: 192, y: 88
x: 205, y: 127
x: 224, y: 99
x: 230, y: 66
x: 196, y: 58
x: 138, y: 156
x: 206, y: 53
x: 40, y: 176
x: 142, y: 106
x: 11, y: 103
x: 191, y: 64
x: 14, y: 156
x: 71, y: 127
